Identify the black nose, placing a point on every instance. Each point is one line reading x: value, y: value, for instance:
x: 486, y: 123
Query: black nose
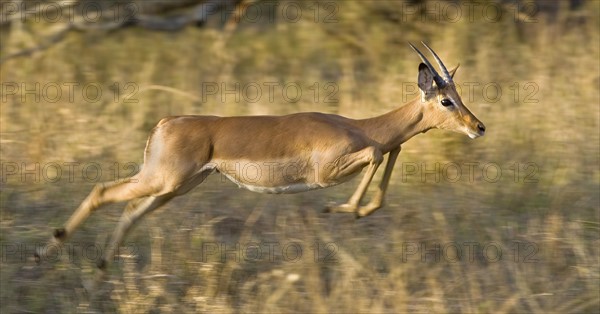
x: 481, y: 127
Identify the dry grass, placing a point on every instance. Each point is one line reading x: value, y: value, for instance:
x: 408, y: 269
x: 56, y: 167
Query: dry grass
x: 548, y: 230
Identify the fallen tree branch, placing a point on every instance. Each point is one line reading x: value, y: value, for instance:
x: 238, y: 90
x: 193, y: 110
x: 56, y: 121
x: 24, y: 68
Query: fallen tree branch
x: 198, y: 15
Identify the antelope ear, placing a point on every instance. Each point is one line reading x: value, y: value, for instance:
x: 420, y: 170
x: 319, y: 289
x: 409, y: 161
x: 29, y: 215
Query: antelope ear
x: 425, y: 79
x: 454, y: 70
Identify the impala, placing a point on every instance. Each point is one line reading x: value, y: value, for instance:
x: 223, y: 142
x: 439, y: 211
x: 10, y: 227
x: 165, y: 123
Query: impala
x: 321, y: 149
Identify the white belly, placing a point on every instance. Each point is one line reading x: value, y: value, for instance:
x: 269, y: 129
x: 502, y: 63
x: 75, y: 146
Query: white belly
x: 276, y: 177
x: 282, y: 189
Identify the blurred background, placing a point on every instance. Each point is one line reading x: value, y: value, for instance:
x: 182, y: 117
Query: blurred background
x: 505, y: 223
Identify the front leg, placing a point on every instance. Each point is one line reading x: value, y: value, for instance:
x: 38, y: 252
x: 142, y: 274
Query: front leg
x: 377, y: 201
x: 355, y: 162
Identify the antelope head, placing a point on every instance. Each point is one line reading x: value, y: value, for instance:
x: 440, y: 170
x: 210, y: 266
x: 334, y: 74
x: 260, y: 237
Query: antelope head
x: 443, y: 106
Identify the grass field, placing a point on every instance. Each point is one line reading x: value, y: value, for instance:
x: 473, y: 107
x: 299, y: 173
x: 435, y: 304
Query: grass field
x: 505, y: 223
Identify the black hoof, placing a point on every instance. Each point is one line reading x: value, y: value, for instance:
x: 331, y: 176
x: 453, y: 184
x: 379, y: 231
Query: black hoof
x: 60, y: 233
x: 37, y: 258
x: 101, y: 264
x: 329, y: 207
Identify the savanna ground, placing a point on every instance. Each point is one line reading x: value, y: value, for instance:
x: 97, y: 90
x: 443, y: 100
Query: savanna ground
x: 522, y: 213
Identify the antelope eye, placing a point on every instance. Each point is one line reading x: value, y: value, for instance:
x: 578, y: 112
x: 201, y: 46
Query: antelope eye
x: 446, y: 102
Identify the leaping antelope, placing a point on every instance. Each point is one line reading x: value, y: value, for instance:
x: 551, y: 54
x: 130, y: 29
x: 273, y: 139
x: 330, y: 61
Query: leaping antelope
x: 324, y: 150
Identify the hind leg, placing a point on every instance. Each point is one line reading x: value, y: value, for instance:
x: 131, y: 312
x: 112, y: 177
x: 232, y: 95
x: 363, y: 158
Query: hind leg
x: 135, y: 211
x: 101, y: 194
x: 129, y: 218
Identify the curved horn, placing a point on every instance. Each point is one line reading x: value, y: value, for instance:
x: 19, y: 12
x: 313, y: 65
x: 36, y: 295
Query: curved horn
x: 447, y: 76
x: 436, y: 77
